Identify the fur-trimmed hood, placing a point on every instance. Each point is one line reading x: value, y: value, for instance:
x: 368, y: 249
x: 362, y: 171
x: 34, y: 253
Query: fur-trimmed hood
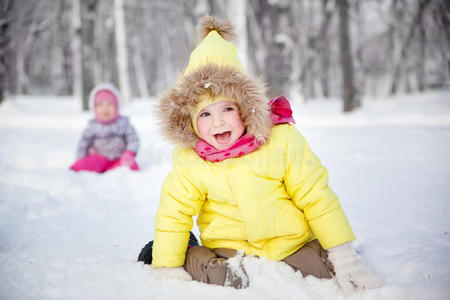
x: 215, y: 76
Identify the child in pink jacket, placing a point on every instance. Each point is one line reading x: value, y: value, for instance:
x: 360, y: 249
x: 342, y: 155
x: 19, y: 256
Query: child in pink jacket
x: 109, y: 141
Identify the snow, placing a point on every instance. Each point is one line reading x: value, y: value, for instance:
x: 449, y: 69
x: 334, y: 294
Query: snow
x: 66, y: 235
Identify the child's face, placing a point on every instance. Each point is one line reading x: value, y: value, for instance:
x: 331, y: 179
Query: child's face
x: 105, y: 111
x: 220, y: 124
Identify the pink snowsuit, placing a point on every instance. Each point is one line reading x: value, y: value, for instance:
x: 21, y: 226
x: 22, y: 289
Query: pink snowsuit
x: 99, y: 163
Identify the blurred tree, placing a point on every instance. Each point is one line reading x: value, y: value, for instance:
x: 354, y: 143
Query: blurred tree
x: 296, y: 45
x: 64, y: 38
x: 83, y: 51
x: 105, y: 67
x: 237, y: 13
x: 272, y: 43
x: 327, y: 12
x: 88, y: 18
x: 77, y: 54
x: 35, y: 23
x: 400, y: 61
x: 443, y: 8
x: 442, y: 13
x: 122, y: 50
x: 318, y: 49
x: 5, y: 8
x: 420, y: 68
x: 348, y: 92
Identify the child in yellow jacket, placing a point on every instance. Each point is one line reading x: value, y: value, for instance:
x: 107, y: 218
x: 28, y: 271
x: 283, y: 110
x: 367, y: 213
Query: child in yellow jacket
x: 249, y: 175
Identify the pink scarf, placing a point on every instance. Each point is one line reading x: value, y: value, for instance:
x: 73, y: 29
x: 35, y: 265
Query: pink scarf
x: 281, y: 114
x: 107, y: 122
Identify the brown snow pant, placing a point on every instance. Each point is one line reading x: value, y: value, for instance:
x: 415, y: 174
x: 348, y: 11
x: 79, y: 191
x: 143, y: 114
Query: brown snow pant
x: 210, y: 265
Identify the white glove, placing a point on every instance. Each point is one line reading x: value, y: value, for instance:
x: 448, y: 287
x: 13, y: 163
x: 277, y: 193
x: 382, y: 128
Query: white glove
x: 351, y: 269
x: 172, y: 273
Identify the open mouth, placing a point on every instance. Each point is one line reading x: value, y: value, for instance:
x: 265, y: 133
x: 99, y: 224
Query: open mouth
x: 223, y: 137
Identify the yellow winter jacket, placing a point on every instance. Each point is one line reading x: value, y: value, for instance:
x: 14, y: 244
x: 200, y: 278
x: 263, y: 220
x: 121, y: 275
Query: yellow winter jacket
x: 268, y: 203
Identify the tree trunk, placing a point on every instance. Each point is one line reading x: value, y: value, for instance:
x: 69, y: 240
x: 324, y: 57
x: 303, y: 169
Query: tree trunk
x: 348, y: 91
x: 66, y: 53
x: 325, y: 51
x: 317, y: 44
x: 34, y: 28
x: 360, y: 76
x: 122, y: 53
x: 5, y: 8
x: 105, y: 69
x: 22, y: 54
x: 421, y: 59
x: 392, y: 31
x: 306, y: 75
x: 256, y: 39
x: 278, y: 64
x: 401, y: 59
x: 407, y: 77
x: 444, y: 18
x: 237, y: 13
x: 77, y: 54
x: 444, y: 14
x: 88, y: 42
x: 139, y: 70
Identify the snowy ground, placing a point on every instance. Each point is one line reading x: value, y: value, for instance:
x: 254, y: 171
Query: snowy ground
x: 65, y: 235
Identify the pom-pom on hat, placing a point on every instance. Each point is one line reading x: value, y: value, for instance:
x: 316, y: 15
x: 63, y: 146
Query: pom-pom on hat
x: 215, y: 72
x: 214, y: 48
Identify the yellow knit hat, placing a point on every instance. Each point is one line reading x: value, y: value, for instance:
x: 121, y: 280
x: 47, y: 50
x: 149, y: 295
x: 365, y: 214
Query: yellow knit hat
x: 214, y: 49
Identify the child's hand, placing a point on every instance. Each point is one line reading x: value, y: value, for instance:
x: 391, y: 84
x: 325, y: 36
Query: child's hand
x: 173, y: 273
x: 127, y: 158
x: 351, y: 269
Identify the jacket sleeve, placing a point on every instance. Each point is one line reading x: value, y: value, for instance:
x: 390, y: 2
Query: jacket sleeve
x: 131, y: 138
x: 86, y: 142
x: 180, y: 200
x: 307, y: 182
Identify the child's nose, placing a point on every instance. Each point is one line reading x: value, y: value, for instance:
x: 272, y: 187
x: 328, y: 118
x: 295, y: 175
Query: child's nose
x: 217, y: 121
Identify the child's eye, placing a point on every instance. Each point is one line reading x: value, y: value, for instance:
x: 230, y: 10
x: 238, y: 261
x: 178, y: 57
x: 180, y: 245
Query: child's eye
x: 204, y: 114
x: 229, y: 108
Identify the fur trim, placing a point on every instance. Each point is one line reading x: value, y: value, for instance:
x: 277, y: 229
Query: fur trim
x: 177, y: 104
x: 223, y: 27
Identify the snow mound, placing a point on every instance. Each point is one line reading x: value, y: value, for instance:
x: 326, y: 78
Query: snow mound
x: 66, y: 235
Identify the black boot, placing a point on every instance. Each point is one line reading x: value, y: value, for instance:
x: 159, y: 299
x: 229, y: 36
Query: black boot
x: 146, y: 252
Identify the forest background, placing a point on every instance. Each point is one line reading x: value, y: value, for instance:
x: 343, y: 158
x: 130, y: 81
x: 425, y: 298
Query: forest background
x: 304, y: 49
